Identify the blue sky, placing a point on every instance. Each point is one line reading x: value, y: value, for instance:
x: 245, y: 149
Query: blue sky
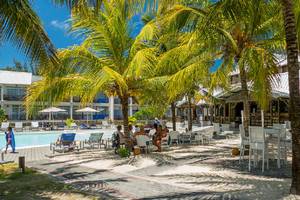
x: 54, y: 21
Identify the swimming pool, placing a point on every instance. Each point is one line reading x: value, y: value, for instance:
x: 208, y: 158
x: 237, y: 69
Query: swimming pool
x: 33, y: 139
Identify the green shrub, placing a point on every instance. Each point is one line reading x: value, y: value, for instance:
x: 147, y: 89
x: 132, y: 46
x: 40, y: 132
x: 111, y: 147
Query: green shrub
x: 69, y: 122
x: 2, y: 115
x: 132, y: 120
x: 123, y: 152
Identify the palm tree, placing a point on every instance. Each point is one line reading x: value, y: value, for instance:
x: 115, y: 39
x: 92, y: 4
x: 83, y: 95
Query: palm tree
x: 244, y: 34
x: 108, y: 60
x: 20, y: 25
x: 294, y: 103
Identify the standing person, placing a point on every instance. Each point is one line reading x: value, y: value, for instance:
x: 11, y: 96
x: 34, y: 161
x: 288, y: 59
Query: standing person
x: 156, y: 122
x: 10, y: 140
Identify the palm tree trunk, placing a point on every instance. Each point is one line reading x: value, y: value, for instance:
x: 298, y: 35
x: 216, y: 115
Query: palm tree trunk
x: 124, y: 103
x: 211, y: 111
x: 294, y: 103
x: 245, y: 98
x: 173, y: 110
x: 190, y: 118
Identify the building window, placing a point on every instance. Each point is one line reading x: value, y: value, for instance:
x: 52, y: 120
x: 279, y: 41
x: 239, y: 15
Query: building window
x: 14, y: 93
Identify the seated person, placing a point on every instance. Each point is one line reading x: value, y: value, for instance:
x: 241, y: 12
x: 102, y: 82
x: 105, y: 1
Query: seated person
x: 140, y: 132
x: 118, y: 138
x: 160, y: 133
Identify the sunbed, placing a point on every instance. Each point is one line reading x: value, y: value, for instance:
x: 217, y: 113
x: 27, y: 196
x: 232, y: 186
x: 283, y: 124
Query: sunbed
x: 4, y: 126
x: 94, y: 140
x: 64, y: 143
x: 19, y: 126
x: 35, y: 126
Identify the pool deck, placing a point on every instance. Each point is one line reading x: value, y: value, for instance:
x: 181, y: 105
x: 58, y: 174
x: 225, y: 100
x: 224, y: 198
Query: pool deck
x: 31, y: 154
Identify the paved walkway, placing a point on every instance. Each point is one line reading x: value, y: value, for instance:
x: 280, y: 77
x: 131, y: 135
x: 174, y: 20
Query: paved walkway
x: 109, y: 184
x: 31, y: 154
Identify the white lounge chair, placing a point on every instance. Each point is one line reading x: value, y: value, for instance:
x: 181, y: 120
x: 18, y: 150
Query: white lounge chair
x: 19, y: 126
x: 106, y: 124
x: 4, y: 126
x: 74, y: 125
x: 35, y: 126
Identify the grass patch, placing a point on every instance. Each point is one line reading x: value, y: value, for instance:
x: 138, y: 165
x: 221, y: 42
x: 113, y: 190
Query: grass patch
x: 33, y: 185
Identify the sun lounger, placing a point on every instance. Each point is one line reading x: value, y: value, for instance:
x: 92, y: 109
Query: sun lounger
x: 64, y: 143
x: 106, y: 124
x: 84, y: 126
x: 94, y: 140
x: 19, y: 126
x: 74, y: 125
x: 35, y: 126
x: 4, y: 126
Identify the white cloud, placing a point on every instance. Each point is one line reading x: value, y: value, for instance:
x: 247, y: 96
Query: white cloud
x: 60, y: 25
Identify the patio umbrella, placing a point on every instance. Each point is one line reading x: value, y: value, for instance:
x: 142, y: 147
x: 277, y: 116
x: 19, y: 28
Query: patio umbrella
x: 52, y: 110
x: 88, y: 110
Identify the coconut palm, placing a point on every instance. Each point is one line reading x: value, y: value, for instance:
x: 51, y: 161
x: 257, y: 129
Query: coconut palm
x: 244, y: 34
x: 20, y: 25
x: 294, y: 103
x: 109, y: 60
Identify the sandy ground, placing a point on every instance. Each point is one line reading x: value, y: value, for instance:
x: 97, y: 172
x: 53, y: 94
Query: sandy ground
x: 198, y: 170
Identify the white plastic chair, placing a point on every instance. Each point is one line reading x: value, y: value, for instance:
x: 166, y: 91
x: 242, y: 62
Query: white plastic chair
x: 217, y: 128
x: 225, y: 127
x: 19, y: 126
x: 186, y: 137
x: 174, y: 137
x: 244, y: 141
x: 209, y: 133
x: 4, y: 125
x: 282, y: 145
x: 106, y: 124
x: 143, y: 142
x: 288, y: 124
x: 35, y: 125
x: 257, y: 143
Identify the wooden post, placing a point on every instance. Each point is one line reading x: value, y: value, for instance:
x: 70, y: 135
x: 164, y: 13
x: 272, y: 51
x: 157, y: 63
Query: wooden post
x: 22, y: 163
x: 278, y: 110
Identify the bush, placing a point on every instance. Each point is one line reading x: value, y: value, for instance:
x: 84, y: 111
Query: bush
x: 69, y: 122
x: 132, y: 120
x: 123, y: 152
x: 2, y: 115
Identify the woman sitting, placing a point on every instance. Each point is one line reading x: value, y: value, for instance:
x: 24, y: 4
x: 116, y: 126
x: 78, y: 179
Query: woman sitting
x: 160, y: 133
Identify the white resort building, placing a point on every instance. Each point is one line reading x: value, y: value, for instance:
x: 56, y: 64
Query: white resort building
x: 13, y: 90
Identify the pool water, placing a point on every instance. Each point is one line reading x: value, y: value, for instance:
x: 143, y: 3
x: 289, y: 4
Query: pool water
x: 33, y: 139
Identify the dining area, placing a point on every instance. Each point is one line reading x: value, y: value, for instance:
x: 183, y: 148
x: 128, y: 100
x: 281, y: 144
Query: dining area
x: 264, y: 143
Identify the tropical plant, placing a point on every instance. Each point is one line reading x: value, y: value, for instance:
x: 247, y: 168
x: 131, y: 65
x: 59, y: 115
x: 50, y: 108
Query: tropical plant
x: 294, y: 103
x: 109, y: 60
x: 69, y: 122
x: 132, y: 120
x: 123, y: 152
x: 244, y: 34
x: 2, y: 115
x: 20, y: 25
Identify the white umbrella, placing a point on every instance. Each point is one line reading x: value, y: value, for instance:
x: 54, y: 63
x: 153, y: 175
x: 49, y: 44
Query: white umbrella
x: 88, y: 110
x: 52, y: 110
